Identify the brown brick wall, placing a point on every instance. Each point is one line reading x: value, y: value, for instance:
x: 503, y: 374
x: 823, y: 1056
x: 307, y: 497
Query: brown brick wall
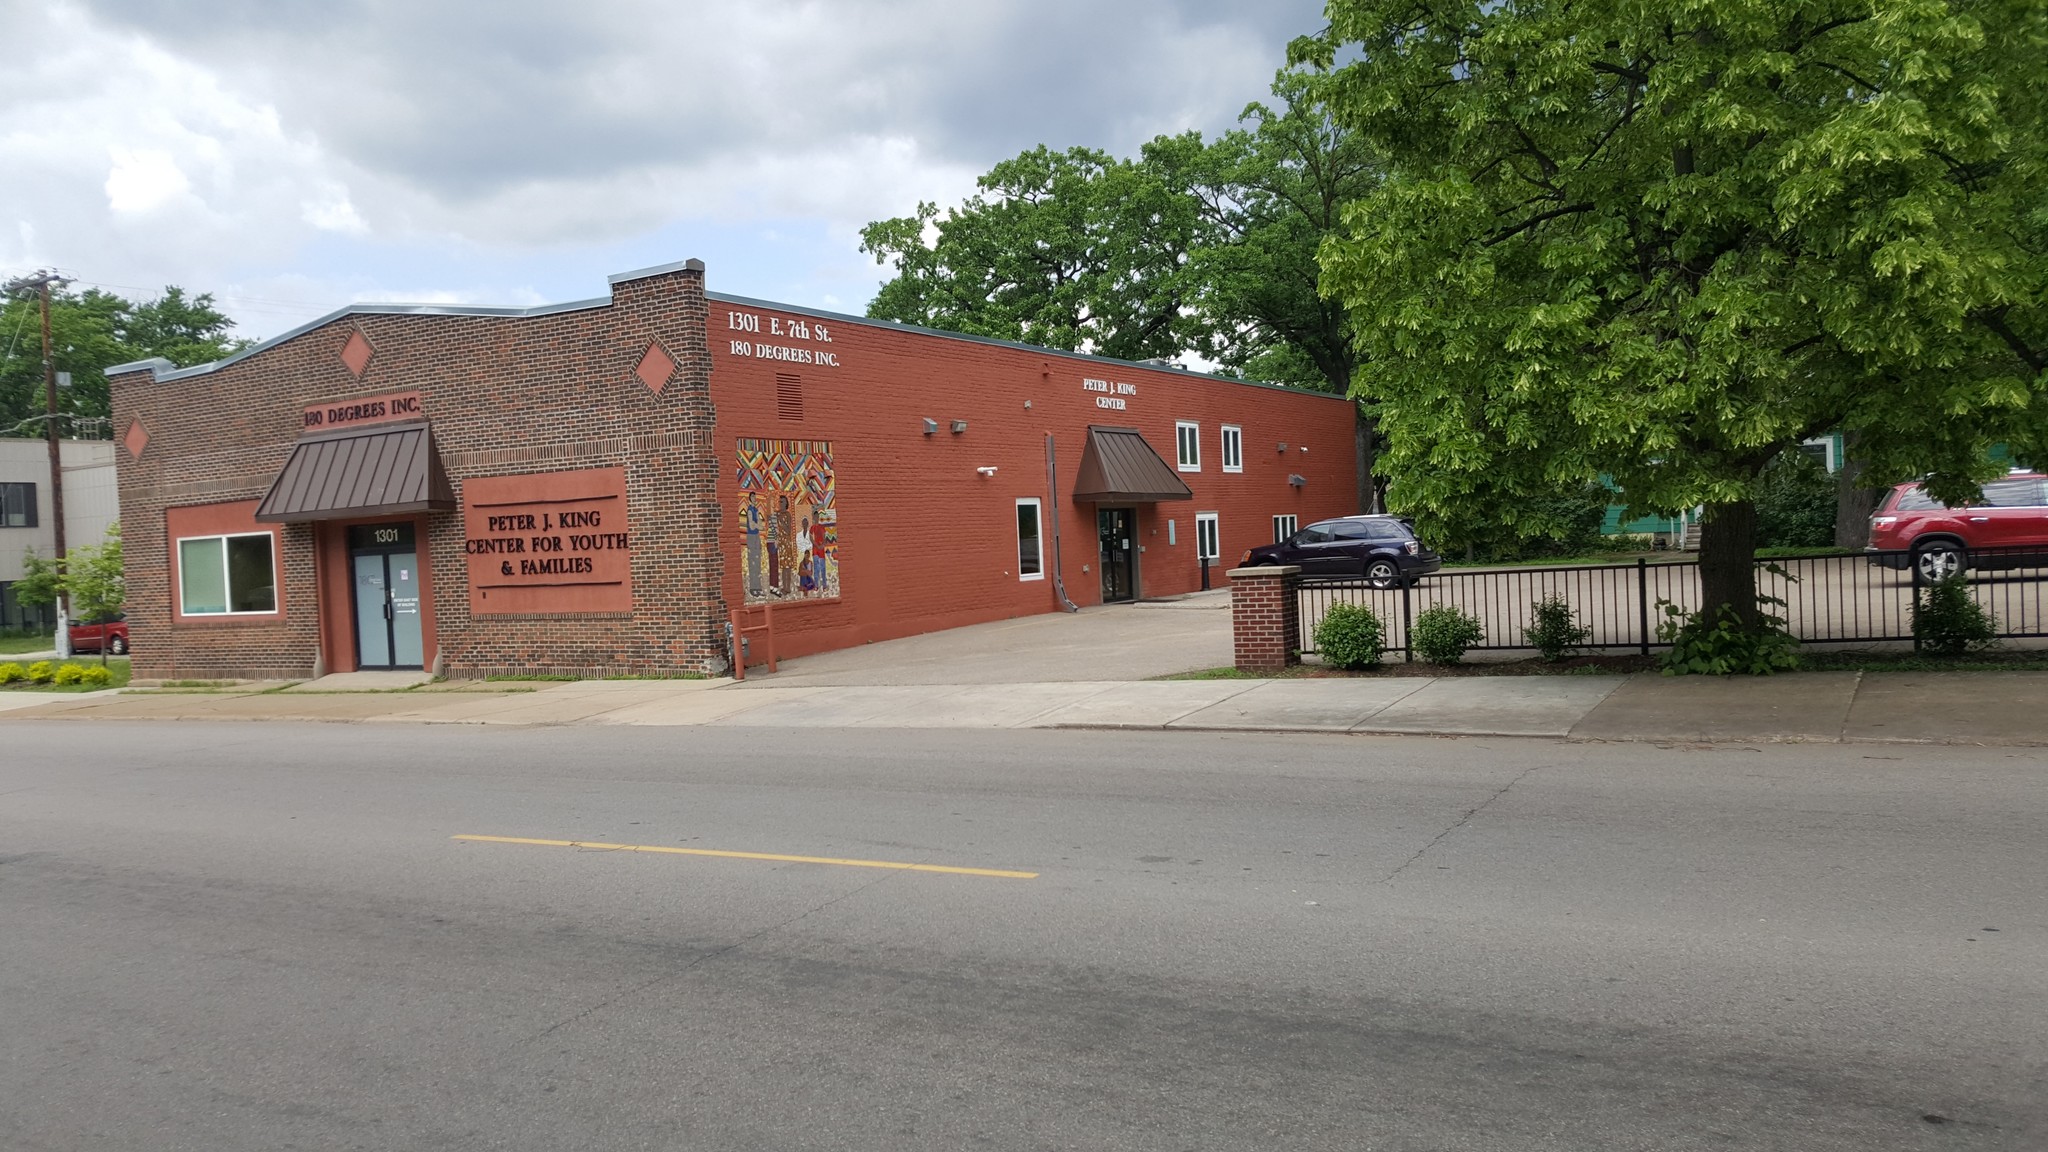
x: 505, y: 395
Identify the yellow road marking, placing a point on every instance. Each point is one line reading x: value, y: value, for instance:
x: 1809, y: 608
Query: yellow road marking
x: 895, y: 864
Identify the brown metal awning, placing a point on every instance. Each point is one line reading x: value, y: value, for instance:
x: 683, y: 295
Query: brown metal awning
x: 382, y: 470
x: 1117, y: 465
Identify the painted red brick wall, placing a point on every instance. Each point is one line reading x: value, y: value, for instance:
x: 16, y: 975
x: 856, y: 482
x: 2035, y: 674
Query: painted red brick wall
x: 924, y: 541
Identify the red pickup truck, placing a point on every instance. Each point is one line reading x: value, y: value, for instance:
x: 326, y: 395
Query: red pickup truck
x: 111, y: 633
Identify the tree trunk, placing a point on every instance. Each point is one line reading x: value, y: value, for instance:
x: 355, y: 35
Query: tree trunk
x: 1853, y: 502
x: 1728, y: 562
x: 1365, y: 437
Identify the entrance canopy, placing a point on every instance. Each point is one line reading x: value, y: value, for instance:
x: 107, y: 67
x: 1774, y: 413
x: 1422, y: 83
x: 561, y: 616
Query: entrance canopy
x: 384, y: 470
x: 1118, y: 466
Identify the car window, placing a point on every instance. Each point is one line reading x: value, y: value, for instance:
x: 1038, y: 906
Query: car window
x: 2025, y: 493
x: 1352, y: 530
x: 1916, y: 500
x: 1390, y: 530
x: 1313, y: 534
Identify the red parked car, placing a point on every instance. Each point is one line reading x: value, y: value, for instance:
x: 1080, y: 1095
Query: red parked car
x: 2008, y: 528
x: 112, y: 633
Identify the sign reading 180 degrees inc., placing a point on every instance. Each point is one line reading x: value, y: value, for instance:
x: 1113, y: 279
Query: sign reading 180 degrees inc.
x: 787, y: 327
x: 549, y: 542
x: 1116, y: 392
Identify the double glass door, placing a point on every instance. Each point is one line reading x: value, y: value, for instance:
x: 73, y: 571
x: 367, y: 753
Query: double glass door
x: 384, y: 562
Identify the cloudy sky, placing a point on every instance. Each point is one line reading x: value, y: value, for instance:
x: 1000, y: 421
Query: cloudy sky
x: 291, y: 158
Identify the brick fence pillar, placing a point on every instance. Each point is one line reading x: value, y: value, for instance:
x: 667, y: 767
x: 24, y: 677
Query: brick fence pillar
x: 1265, y: 619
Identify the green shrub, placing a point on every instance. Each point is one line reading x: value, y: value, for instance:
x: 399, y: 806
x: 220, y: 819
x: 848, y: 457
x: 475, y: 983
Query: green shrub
x: 1553, y: 630
x: 1350, y: 636
x: 12, y: 671
x: 1947, y: 621
x: 1795, y: 504
x: 1722, y: 646
x: 96, y: 676
x: 68, y: 674
x: 41, y: 672
x: 1442, y: 634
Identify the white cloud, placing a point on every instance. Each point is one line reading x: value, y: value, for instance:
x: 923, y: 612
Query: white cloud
x: 279, y: 153
x: 141, y: 180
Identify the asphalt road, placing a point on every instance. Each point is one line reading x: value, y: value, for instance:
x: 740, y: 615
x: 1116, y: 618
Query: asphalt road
x: 264, y: 936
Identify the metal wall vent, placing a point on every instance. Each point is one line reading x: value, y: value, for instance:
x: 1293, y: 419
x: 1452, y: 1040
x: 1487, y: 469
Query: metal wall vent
x: 789, y: 396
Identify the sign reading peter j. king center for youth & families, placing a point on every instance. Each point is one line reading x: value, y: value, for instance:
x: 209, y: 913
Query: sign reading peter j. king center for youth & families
x: 548, y: 542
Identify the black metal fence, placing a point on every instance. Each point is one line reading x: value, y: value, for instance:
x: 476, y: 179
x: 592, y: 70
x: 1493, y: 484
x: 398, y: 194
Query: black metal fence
x: 1864, y: 598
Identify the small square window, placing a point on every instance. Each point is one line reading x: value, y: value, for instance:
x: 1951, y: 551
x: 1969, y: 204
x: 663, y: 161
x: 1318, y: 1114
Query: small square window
x: 1187, y: 437
x: 1207, y: 542
x: 1233, y: 448
x: 1283, y: 527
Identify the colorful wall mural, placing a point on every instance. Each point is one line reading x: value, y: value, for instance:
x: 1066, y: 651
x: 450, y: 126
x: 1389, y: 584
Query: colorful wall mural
x: 788, y: 523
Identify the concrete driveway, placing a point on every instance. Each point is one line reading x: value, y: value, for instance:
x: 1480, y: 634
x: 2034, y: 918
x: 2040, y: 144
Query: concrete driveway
x: 1107, y: 642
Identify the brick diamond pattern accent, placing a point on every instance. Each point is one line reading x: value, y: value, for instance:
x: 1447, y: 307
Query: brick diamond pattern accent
x: 655, y: 368
x: 136, y: 439
x: 355, y: 355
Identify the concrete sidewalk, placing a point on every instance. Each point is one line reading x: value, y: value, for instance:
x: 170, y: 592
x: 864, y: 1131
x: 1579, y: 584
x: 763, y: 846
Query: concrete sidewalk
x: 1996, y: 708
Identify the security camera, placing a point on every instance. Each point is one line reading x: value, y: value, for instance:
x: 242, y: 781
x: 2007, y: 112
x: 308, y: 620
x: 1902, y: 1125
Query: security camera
x: 986, y: 470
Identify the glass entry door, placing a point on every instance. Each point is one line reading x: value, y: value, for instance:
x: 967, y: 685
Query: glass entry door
x: 1117, y: 529
x: 384, y: 562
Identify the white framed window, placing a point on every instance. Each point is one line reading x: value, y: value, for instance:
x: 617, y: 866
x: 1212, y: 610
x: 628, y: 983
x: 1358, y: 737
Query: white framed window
x: 1030, y: 540
x: 1822, y: 449
x: 1283, y: 527
x: 1233, y: 448
x: 1207, y: 540
x: 233, y: 575
x: 1187, y: 436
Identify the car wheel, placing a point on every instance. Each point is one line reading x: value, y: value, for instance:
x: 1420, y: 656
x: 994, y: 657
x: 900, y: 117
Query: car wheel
x: 117, y: 646
x: 1933, y: 563
x: 1382, y: 574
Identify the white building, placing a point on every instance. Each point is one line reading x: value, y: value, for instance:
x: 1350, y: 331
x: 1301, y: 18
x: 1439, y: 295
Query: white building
x: 90, y: 504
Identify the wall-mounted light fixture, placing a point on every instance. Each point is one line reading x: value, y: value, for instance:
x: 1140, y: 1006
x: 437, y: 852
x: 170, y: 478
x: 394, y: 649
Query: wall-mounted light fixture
x: 1297, y: 480
x: 959, y: 426
x: 986, y: 470
x: 930, y: 425
x: 1283, y: 445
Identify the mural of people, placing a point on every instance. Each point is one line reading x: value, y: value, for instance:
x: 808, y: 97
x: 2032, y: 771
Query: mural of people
x: 788, y: 520
x: 785, y: 546
x: 751, y: 513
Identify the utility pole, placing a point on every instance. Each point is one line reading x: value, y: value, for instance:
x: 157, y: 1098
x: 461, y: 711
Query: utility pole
x: 41, y: 282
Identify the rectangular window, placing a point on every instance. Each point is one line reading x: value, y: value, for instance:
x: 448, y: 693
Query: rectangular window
x: 227, y: 575
x: 1206, y: 541
x: 17, y: 505
x: 1188, y: 439
x: 1030, y: 542
x: 1283, y: 527
x: 1233, y: 448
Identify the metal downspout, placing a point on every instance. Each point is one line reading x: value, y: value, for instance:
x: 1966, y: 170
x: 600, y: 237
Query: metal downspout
x: 1052, y: 488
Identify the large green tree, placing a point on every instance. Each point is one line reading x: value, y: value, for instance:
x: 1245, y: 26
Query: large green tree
x: 1196, y: 247
x: 1668, y: 240
x: 91, y: 331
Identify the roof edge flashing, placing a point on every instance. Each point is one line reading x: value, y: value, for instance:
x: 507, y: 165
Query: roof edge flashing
x: 156, y: 364
x: 691, y: 265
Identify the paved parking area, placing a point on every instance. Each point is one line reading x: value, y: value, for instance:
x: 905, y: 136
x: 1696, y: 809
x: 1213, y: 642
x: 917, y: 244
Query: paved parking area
x: 1107, y: 642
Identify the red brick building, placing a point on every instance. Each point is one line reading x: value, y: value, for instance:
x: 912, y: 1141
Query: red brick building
x: 604, y: 487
